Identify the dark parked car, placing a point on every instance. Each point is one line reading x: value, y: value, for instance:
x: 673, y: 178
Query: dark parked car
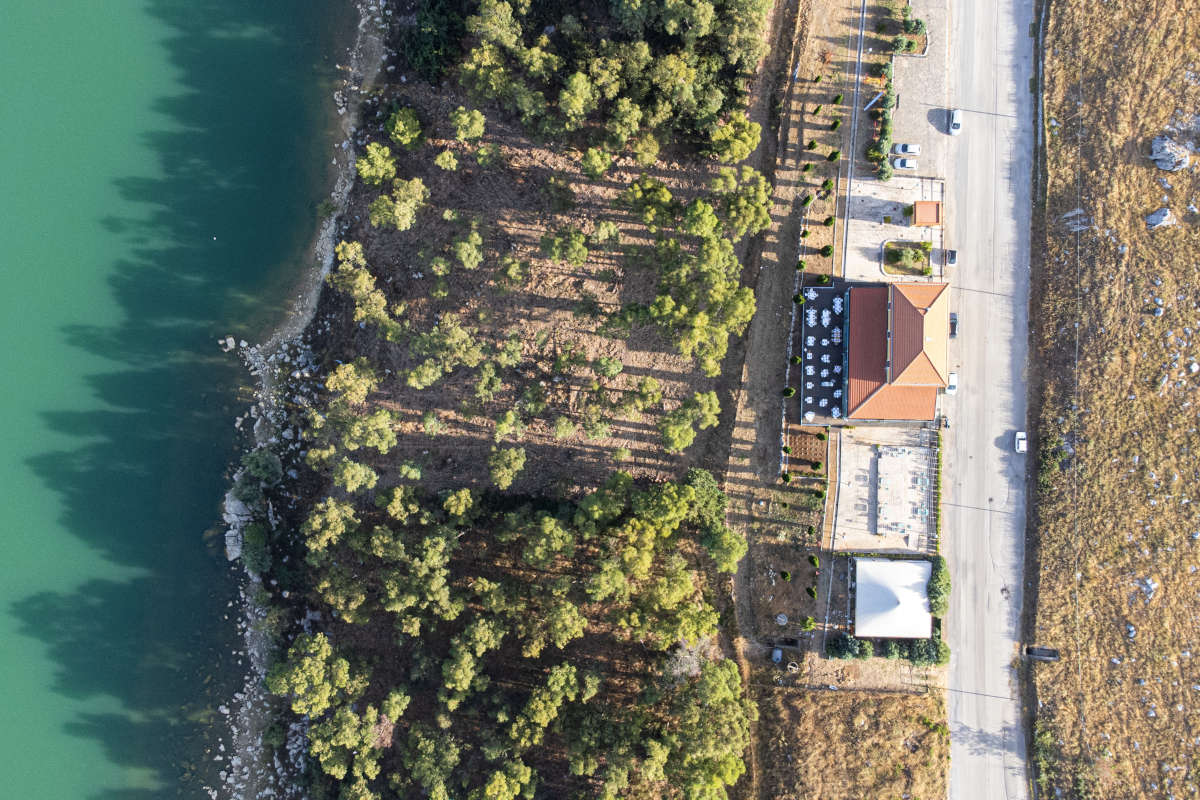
x: 953, y: 325
x: 951, y: 258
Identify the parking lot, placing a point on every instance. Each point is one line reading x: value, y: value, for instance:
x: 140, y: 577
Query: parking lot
x: 822, y: 346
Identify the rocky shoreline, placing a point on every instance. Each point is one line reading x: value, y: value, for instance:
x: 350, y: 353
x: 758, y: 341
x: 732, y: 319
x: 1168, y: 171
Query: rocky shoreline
x: 284, y: 359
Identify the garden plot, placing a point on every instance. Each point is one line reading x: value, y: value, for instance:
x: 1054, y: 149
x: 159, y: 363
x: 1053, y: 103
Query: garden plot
x: 822, y: 350
x: 886, y: 485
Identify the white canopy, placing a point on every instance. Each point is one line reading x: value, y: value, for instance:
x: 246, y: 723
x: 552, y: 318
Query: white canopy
x: 892, y: 599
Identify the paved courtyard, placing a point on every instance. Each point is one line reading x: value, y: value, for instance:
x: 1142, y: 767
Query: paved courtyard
x: 886, y: 479
x: 876, y: 214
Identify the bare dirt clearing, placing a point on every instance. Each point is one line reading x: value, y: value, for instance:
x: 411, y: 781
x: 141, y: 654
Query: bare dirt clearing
x: 825, y: 744
x: 1119, y: 309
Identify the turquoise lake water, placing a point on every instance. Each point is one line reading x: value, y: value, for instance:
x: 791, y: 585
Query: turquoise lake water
x: 160, y: 163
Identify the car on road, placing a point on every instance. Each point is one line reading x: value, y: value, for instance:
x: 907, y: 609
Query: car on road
x: 956, y: 121
x: 904, y: 163
x: 1020, y: 443
x: 952, y: 383
x: 952, y: 258
x: 907, y: 149
x: 953, y: 325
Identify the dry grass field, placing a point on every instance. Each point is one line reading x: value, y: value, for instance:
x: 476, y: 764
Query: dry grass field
x: 822, y: 745
x: 1117, y: 520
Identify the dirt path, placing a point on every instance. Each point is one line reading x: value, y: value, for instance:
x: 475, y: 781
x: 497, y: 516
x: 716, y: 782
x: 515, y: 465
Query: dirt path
x: 806, y: 41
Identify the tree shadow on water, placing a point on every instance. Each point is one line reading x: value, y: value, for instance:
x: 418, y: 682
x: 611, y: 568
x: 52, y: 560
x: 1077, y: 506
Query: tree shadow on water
x: 238, y: 159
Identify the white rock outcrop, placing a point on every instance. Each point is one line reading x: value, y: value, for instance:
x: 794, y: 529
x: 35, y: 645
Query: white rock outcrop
x: 1168, y: 154
x: 1160, y: 219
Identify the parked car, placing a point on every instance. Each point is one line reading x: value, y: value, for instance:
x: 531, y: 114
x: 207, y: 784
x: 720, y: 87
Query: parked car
x: 952, y: 383
x: 951, y: 258
x: 904, y: 163
x: 953, y: 325
x: 1020, y: 443
x: 956, y: 121
x: 907, y: 149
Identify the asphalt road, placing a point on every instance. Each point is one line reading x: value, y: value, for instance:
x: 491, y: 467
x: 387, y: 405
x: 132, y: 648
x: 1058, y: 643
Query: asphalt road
x: 988, y: 190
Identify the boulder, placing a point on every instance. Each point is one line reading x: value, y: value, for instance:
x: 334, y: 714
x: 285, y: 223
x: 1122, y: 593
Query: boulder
x: 1160, y: 219
x: 1168, y: 154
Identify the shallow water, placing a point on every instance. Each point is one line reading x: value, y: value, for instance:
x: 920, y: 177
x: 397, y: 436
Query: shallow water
x: 161, y: 163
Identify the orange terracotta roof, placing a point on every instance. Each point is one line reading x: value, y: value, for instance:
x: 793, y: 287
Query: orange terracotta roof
x: 897, y: 377
x: 866, y: 371
x: 927, y: 213
x: 899, y: 402
x: 920, y: 334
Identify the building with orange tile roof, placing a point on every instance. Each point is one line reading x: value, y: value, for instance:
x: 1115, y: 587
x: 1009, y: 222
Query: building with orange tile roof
x: 927, y: 213
x: 898, y: 350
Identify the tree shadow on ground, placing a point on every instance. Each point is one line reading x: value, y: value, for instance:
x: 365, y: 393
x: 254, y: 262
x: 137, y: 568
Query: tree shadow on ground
x: 238, y: 166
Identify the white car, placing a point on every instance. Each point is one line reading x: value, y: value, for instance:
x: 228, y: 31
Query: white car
x: 907, y: 149
x: 905, y: 163
x: 956, y: 121
x: 952, y: 384
x: 1020, y: 444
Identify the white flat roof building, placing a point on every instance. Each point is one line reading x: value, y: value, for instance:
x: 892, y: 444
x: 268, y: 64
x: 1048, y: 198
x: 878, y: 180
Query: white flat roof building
x: 891, y: 599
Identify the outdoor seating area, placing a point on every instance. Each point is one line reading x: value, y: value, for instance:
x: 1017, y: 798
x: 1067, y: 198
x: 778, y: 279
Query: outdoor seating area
x: 822, y: 349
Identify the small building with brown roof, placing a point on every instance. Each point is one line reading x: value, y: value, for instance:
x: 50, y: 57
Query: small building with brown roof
x: 927, y: 213
x: 898, y: 346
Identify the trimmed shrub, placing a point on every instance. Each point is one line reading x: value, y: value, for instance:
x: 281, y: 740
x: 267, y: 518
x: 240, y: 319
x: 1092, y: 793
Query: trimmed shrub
x: 837, y: 98
x: 796, y: 360
x: 808, y: 624
x: 800, y: 265
x: 827, y: 250
x: 833, y: 126
x: 812, y: 145
x: 785, y: 476
x: 804, y: 233
x: 806, y: 201
x: 842, y: 645
x: 834, y: 156
x: 824, y: 279
x: 814, y: 560
x: 816, y: 110
x: 789, y: 392
x: 939, y: 587
x: 816, y: 465
x: 828, y: 221
x: 811, y: 591
x: 826, y: 184
x: 822, y: 437
x: 806, y: 168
